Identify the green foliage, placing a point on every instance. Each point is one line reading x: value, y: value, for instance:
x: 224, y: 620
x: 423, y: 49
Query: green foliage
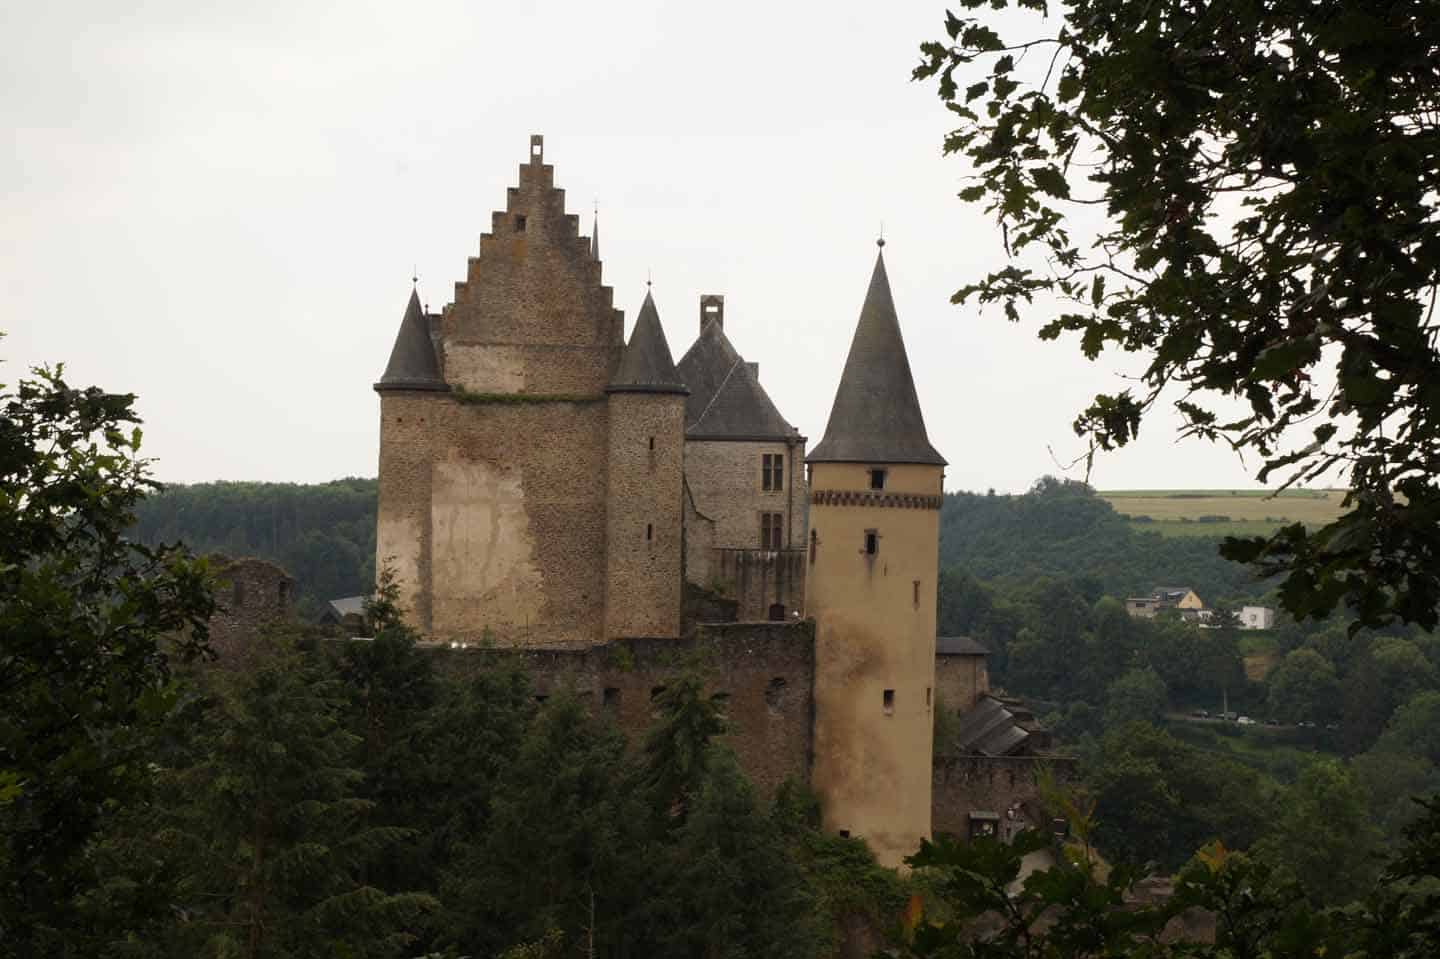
x: 1137, y: 696
x: 1325, y: 835
x: 89, y: 624
x: 322, y: 534
x: 1268, y: 175
x: 1304, y: 688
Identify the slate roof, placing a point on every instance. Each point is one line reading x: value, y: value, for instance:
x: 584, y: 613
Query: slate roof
x: 413, y: 364
x: 990, y: 729
x: 646, y: 365
x: 959, y: 646
x: 726, y: 400
x: 876, y: 417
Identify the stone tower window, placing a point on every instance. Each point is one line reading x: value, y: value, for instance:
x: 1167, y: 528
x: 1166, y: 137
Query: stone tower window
x: 889, y: 702
x: 814, y: 545
x: 772, y: 530
x: 772, y: 471
x: 844, y: 834
x: 239, y: 592
x: 872, y: 542
x: 927, y: 697
x: 610, y: 699
x: 652, y: 444
x: 519, y: 223
x: 649, y: 531
x: 917, y: 594
x: 877, y: 479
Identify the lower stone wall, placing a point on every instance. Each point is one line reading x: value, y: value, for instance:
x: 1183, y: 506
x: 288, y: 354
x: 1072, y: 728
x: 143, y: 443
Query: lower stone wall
x: 765, y: 583
x: 992, y: 784
x: 763, y: 672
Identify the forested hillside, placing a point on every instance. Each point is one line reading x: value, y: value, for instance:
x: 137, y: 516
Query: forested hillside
x: 1061, y: 528
x: 323, y: 534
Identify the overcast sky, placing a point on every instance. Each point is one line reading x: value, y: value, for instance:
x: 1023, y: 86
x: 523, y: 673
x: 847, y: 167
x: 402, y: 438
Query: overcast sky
x: 218, y: 205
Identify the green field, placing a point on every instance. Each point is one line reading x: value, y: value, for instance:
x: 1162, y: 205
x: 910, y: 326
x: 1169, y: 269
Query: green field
x: 1217, y: 513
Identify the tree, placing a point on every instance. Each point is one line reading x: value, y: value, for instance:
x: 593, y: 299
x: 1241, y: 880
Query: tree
x: 1137, y: 696
x: 1269, y: 176
x: 1303, y: 688
x: 89, y: 624
x: 1414, y: 729
x: 1326, y: 835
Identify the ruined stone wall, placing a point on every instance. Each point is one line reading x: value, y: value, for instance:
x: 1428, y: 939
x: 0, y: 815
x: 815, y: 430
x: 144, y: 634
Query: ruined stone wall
x: 763, y: 673
x: 960, y: 681
x: 250, y: 595
x: 991, y: 784
x: 645, y: 537
x: 767, y: 584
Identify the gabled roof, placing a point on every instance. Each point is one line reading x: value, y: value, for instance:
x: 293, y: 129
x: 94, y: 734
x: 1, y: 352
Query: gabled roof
x: 876, y: 417
x: 726, y: 400
x: 646, y: 365
x: 413, y: 365
x: 959, y: 646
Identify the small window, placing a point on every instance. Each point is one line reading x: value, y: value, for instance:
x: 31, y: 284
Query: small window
x: 656, y: 692
x: 777, y: 612
x: 889, y: 702
x: 519, y: 223
x: 877, y: 479
x: 814, y: 545
x: 917, y: 593
x: 844, y: 834
x: 541, y: 697
x: 872, y: 542
x: 772, y: 471
x: 652, y: 443
x: 239, y: 593
x: 610, y: 699
x: 927, y: 697
x: 772, y: 530
x: 649, y: 532
x: 775, y: 693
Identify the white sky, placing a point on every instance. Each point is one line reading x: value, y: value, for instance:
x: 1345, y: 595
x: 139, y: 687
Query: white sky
x: 217, y: 206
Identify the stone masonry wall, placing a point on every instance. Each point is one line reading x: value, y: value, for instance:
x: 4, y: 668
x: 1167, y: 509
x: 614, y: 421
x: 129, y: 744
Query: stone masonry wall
x: 762, y: 672
x: 250, y: 595
x: 960, y: 681
x: 644, y: 537
x: 966, y: 784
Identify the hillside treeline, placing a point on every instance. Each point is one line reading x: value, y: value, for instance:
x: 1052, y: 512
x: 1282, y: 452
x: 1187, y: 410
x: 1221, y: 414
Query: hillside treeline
x: 323, y: 534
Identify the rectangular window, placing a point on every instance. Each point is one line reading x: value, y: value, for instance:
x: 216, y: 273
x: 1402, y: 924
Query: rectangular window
x: 772, y: 530
x: 889, y: 702
x: 917, y: 593
x: 772, y: 471
x: 877, y: 479
x: 872, y: 542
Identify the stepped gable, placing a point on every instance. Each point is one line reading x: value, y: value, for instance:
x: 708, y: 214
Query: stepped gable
x: 413, y: 364
x: 726, y: 399
x: 646, y: 365
x: 532, y: 314
x: 876, y: 417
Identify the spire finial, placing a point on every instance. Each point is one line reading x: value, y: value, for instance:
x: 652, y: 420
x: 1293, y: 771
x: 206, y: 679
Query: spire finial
x: 647, y: 278
x: 880, y: 241
x: 595, y: 233
x: 414, y: 276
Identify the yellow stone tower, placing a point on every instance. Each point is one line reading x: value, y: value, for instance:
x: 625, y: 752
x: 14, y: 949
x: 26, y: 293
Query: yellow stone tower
x: 876, y: 485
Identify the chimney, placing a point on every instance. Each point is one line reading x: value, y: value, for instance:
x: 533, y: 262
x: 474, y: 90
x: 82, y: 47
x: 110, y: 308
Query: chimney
x: 712, y: 307
x: 754, y: 371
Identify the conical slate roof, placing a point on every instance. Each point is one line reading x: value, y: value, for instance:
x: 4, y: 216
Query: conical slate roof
x: 646, y: 366
x: 726, y: 400
x: 876, y: 417
x: 412, y: 365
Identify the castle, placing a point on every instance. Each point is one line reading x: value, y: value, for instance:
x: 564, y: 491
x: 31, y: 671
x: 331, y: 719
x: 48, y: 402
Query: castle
x: 551, y: 489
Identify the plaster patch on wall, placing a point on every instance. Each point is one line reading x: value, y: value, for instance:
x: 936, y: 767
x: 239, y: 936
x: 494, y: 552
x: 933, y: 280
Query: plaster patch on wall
x: 397, y: 542
x: 485, y: 369
x: 484, y: 549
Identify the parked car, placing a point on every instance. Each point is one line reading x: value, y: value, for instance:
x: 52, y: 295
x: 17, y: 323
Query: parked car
x: 1245, y: 721
x: 1201, y: 714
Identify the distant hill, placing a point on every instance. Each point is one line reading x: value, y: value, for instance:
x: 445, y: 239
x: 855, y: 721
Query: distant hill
x: 1217, y: 513
x: 1065, y: 530
x: 323, y: 534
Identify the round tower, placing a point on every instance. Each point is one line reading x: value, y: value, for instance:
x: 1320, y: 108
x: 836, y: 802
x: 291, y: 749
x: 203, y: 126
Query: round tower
x: 644, y: 536
x: 876, y: 486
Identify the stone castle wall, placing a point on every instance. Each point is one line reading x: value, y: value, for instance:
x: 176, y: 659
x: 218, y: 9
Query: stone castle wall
x: 645, y: 535
x: 762, y: 673
x: 960, y: 681
x: 250, y: 595
x: 992, y: 784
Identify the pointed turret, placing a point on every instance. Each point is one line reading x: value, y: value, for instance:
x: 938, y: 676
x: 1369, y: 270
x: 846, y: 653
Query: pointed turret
x: 646, y: 365
x: 595, y: 236
x: 876, y: 417
x: 413, y: 365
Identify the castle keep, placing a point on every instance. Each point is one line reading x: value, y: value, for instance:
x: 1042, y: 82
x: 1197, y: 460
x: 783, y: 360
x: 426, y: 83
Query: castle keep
x: 554, y: 490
